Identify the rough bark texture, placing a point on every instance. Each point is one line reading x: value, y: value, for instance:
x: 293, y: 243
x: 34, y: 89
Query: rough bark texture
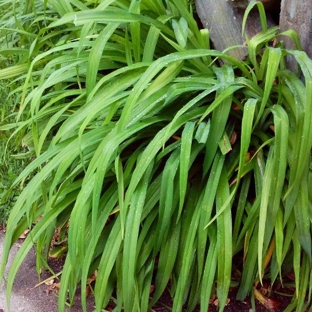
x: 223, y: 18
x: 224, y: 23
x: 297, y: 15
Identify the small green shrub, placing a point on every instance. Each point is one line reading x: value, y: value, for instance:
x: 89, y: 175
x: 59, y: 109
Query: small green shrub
x: 158, y: 165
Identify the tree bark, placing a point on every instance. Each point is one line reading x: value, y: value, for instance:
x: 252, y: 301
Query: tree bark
x: 297, y: 15
x: 224, y: 23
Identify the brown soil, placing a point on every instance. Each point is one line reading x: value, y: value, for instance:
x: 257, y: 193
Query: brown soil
x: 281, y: 301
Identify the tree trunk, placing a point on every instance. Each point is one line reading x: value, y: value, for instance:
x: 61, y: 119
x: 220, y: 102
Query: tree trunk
x: 223, y: 18
x: 297, y: 15
x: 224, y: 23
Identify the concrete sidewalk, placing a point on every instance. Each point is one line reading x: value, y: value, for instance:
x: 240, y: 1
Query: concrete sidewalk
x: 25, y: 296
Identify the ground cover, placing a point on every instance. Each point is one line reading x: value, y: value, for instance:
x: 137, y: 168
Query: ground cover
x: 12, y: 158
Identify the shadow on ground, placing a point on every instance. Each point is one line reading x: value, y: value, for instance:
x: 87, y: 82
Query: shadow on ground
x: 25, y: 296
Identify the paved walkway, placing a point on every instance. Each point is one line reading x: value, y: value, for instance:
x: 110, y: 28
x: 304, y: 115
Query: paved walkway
x: 25, y: 296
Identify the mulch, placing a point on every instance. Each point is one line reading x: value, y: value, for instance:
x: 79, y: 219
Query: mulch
x: 279, y: 298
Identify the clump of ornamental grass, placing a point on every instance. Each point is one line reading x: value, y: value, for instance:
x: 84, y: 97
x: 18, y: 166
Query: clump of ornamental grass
x: 155, y: 164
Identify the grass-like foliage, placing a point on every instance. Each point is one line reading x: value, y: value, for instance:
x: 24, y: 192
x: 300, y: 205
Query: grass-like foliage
x: 12, y: 156
x: 155, y: 164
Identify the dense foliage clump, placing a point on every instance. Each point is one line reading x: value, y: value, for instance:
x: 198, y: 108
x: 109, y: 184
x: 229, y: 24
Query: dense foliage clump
x: 156, y: 159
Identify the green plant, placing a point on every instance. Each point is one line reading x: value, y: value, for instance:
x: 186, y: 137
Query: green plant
x: 161, y: 165
x: 12, y: 160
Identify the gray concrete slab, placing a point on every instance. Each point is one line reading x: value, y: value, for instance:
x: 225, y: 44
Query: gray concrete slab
x: 25, y: 296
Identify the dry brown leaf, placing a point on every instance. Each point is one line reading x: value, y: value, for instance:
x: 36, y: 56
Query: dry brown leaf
x: 49, y: 282
x: 25, y: 233
x: 46, y: 281
x: 267, y: 302
x: 92, y: 278
x: 216, y: 302
x: 54, y: 288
